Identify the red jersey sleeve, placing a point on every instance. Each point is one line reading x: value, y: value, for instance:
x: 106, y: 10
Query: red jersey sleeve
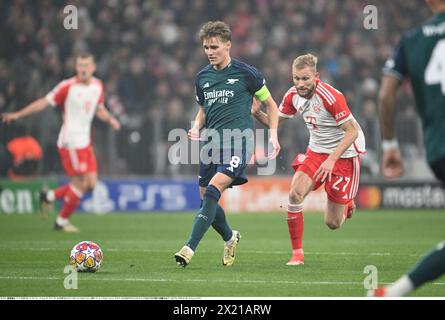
x: 287, y: 108
x: 334, y: 102
x: 57, y: 96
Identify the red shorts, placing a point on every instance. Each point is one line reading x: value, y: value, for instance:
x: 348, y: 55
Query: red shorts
x: 78, y: 161
x: 345, y: 177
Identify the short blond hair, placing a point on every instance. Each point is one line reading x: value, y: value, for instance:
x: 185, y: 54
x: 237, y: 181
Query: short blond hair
x: 306, y: 60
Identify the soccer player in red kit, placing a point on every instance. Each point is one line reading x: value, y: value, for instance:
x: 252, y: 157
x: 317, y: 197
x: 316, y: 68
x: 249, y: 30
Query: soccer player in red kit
x: 332, y: 156
x: 81, y: 98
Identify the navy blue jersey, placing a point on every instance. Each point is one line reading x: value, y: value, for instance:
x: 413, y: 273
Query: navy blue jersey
x: 226, y: 97
x: 420, y: 56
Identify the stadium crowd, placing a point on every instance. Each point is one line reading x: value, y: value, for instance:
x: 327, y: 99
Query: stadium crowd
x: 147, y: 53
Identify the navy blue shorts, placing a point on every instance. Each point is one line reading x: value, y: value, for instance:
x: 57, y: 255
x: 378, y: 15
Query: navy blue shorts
x: 232, y: 163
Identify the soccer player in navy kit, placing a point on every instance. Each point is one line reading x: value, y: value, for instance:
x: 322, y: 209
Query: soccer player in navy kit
x: 420, y: 56
x: 225, y: 90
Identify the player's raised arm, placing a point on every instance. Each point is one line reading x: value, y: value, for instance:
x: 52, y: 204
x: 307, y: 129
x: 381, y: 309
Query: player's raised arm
x: 35, y: 106
x: 103, y: 114
x: 391, y: 163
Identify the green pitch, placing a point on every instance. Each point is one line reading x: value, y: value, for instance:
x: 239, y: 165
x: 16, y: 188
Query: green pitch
x: 139, y: 248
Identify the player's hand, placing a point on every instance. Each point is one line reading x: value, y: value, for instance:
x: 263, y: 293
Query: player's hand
x: 193, y: 133
x: 275, y: 148
x: 392, y: 166
x: 325, y: 170
x: 256, y: 107
x: 115, y: 124
x: 10, y: 116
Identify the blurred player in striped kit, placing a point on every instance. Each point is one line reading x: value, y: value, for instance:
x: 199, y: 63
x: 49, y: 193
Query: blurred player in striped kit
x: 81, y: 98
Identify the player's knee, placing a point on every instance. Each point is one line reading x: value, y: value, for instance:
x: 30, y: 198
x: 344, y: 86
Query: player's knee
x: 333, y: 224
x: 296, y: 196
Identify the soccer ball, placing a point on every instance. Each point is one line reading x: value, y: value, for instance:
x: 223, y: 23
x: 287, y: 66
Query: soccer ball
x: 86, y: 256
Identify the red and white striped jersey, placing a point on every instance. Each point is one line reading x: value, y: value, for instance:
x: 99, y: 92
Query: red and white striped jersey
x: 79, y: 102
x: 323, y: 113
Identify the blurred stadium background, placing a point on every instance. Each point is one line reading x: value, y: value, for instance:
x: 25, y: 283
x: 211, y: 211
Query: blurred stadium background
x: 147, y: 53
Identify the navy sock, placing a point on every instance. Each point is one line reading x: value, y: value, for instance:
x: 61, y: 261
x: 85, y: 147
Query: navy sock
x: 205, y: 217
x: 220, y: 224
x: 430, y: 267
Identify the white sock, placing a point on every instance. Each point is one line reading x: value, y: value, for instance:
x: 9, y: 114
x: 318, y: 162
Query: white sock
x: 230, y: 241
x: 62, y: 221
x: 50, y: 196
x: 400, y: 288
x: 191, y: 252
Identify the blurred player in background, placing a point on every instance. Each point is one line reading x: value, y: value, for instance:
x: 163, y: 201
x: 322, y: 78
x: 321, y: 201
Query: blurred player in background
x: 224, y: 91
x: 332, y: 157
x: 81, y: 98
x: 419, y: 56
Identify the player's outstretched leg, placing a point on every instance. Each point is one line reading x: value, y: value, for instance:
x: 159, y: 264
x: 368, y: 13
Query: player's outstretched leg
x: 203, y: 220
x: 231, y: 238
x: 221, y: 225
x: 430, y: 267
x: 71, y: 200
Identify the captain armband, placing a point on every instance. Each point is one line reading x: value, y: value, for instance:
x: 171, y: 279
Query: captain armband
x: 262, y: 94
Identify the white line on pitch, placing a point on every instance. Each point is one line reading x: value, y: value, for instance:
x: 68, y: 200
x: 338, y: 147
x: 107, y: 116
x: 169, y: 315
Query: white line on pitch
x: 244, y: 251
x: 202, y: 280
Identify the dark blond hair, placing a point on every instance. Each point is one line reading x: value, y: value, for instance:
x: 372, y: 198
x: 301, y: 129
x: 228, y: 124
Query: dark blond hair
x: 215, y: 29
x: 306, y: 60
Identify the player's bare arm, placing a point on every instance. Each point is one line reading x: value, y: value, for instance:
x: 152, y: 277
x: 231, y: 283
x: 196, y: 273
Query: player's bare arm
x: 193, y: 133
x: 351, y: 133
x: 103, y: 114
x: 262, y: 116
x: 273, y: 121
x: 35, y: 106
x: 391, y: 164
x: 387, y: 105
